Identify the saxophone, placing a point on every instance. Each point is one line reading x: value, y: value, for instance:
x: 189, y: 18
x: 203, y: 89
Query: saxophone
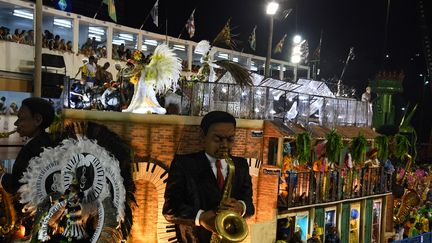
x: 6, y: 134
x: 10, y: 221
x: 410, y: 199
x: 230, y: 226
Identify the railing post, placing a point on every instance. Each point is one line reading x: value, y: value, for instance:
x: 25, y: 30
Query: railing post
x: 109, y: 41
x: 189, y: 57
x: 75, y: 41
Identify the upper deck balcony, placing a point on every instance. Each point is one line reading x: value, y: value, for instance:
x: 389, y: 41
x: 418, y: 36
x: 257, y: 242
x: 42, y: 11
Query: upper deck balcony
x: 268, y: 99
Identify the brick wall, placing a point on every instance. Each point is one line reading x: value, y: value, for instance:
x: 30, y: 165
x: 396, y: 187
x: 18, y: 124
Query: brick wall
x: 267, y: 193
x: 144, y: 228
x: 269, y: 132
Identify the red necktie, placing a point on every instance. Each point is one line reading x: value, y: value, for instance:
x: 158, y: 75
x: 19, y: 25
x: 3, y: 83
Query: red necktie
x: 219, y: 175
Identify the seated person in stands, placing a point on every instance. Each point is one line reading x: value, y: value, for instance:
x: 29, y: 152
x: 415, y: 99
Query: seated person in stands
x: 16, y: 37
x: 80, y: 94
x: 69, y: 46
x: 2, y: 31
x: 57, y: 42
x: 62, y: 45
x: 48, y: 35
x: 29, y: 37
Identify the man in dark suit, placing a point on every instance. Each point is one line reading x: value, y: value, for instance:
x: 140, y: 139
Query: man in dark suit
x: 196, y: 182
x: 34, y: 116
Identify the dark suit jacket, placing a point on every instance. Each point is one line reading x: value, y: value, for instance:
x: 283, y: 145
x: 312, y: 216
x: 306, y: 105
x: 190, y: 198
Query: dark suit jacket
x: 33, y: 148
x: 192, y: 186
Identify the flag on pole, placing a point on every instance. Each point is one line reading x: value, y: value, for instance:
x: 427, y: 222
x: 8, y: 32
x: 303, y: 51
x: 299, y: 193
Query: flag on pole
x: 111, y: 9
x: 64, y: 5
x: 190, y: 25
x: 317, y: 52
x: 252, y: 39
x: 279, y: 45
x: 225, y: 36
x: 155, y: 13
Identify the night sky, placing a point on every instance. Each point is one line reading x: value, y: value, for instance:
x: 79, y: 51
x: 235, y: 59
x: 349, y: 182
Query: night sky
x: 345, y: 23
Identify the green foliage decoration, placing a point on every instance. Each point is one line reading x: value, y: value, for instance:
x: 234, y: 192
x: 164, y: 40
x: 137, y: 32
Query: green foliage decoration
x: 303, y: 147
x: 383, y: 147
x: 358, y: 148
x: 334, y: 146
x: 402, y: 145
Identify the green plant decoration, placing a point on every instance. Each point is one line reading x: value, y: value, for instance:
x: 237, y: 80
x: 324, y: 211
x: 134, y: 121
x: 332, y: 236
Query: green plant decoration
x: 303, y: 145
x: 383, y: 147
x: 358, y: 148
x: 334, y: 146
x: 402, y: 145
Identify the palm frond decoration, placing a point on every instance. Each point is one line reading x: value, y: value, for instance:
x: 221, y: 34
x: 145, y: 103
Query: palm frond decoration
x: 358, y: 148
x: 240, y: 74
x: 334, y: 146
x: 402, y: 145
x: 383, y: 147
x: 303, y: 145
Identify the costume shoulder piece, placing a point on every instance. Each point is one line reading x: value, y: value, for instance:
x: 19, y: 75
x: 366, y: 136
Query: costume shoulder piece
x: 74, y: 184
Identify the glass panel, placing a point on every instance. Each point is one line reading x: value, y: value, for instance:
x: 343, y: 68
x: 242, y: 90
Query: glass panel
x: 330, y: 221
x: 259, y: 100
x: 149, y: 45
x: 181, y: 50
x: 288, y: 73
x: 240, y: 60
x: 124, y: 45
x: 92, y: 40
x: 342, y: 112
x: 17, y: 21
x: 58, y: 33
x: 221, y: 55
x: 257, y: 66
x: 302, y: 73
x: 302, y: 224
x: 303, y: 109
x: 274, y: 70
x: 376, y: 221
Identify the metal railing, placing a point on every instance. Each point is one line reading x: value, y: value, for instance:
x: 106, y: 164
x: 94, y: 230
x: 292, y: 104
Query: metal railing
x: 307, y: 188
x: 259, y: 102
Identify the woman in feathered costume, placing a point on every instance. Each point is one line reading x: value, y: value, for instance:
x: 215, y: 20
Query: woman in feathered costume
x: 157, y: 74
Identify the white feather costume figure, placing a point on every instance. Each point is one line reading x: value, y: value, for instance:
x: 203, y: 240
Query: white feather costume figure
x: 161, y: 74
x: 207, y: 52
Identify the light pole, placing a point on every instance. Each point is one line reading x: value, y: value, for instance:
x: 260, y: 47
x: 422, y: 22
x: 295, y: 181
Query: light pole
x: 296, y: 54
x: 272, y: 8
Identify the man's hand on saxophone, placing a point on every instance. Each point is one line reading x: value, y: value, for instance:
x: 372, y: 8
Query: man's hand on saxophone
x: 207, y: 220
x: 234, y: 205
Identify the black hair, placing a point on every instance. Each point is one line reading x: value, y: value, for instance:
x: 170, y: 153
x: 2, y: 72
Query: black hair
x: 216, y: 117
x: 3, y: 98
x: 92, y: 58
x: 42, y: 107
